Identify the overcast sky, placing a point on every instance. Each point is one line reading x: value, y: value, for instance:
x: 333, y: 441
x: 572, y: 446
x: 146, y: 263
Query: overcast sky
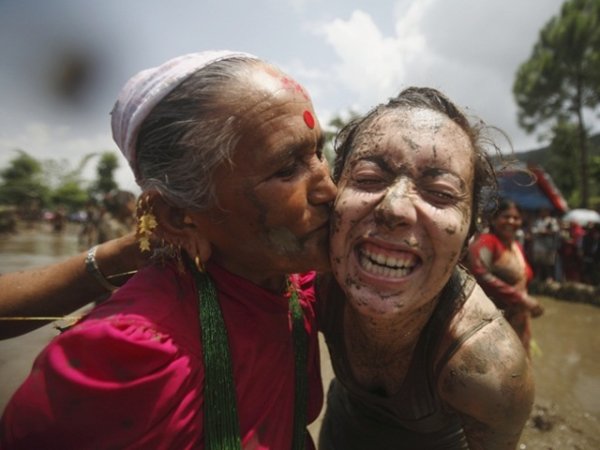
x: 64, y: 61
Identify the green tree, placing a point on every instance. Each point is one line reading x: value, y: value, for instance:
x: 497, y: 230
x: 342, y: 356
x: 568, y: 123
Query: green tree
x: 71, y: 195
x: 565, y: 175
x: 105, y: 170
x: 22, y: 183
x: 68, y: 187
x: 561, y: 78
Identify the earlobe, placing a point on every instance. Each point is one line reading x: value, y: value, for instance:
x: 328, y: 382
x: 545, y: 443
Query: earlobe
x: 182, y: 229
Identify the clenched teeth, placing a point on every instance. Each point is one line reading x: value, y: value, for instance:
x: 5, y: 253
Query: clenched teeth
x: 387, y: 265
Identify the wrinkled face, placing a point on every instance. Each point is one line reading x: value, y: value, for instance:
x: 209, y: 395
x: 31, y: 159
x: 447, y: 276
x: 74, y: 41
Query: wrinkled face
x: 507, y: 223
x: 403, y: 211
x: 275, y: 199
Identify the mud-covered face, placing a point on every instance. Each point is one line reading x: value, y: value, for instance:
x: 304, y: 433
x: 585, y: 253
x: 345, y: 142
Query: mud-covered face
x: 403, y: 211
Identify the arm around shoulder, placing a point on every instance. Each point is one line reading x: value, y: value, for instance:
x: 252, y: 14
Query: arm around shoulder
x: 489, y: 383
x: 63, y: 287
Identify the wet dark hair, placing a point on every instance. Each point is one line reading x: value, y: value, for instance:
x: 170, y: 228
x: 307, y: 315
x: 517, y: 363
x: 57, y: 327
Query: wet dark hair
x: 502, y: 205
x: 485, y: 185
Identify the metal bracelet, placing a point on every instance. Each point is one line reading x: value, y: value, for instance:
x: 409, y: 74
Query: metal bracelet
x: 91, y: 266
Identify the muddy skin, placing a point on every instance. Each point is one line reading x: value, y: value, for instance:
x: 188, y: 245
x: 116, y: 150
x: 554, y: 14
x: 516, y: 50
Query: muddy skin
x: 413, y: 145
x: 450, y: 230
x: 377, y: 364
x: 284, y: 241
x: 451, y: 262
x: 473, y: 363
x: 411, y: 243
x: 281, y: 240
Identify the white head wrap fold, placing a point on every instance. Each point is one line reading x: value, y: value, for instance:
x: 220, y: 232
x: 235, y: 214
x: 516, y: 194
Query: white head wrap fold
x: 146, y: 89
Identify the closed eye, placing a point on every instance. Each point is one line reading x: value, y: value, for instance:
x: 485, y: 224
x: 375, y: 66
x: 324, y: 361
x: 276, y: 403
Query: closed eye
x: 369, y: 182
x: 441, y: 196
x: 287, y: 172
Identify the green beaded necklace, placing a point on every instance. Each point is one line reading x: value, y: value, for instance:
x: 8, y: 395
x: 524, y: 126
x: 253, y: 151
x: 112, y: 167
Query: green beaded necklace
x: 221, y: 425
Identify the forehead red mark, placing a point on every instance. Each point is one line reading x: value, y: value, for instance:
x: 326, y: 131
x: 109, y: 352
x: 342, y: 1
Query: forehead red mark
x: 309, y: 120
x: 293, y: 85
x: 287, y: 82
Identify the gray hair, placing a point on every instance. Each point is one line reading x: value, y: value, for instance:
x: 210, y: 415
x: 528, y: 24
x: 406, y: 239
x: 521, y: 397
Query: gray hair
x: 192, y: 131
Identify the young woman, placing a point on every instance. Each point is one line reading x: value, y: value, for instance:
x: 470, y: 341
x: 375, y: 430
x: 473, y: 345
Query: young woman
x: 423, y: 359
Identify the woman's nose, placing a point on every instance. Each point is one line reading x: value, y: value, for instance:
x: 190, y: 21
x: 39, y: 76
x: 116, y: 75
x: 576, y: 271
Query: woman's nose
x: 322, y: 189
x: 397, y: 208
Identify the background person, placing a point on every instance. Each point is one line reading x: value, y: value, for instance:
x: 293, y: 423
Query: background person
x: 591, y: 254
x: 544, y: 245
x: 228, y: 153
x: 499, y: 265
x: 118, y: 218
x: 570, y: 251
x: 415, y: 344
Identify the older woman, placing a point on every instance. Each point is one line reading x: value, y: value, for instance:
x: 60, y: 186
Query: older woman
x: 423, y: 359
x: 227, y: 151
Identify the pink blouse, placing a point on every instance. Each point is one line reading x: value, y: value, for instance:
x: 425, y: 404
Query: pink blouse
x: 130, y: 374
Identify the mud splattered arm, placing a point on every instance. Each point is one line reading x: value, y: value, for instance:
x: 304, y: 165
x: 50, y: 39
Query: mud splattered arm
x: 489, y: 383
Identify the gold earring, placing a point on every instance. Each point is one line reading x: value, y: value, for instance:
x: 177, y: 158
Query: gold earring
x: 146, y: 223
x: 198, y: 263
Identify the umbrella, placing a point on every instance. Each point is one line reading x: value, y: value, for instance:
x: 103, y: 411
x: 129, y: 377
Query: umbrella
x: 582, y: 216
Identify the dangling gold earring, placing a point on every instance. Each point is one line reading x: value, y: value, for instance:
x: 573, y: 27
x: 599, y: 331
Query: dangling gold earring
x: 198, y: 263
x: 146, y: 223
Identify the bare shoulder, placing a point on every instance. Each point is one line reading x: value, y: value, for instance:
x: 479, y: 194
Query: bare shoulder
x: 488, y: 380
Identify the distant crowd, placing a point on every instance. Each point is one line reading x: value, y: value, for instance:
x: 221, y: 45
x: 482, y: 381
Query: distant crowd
x: 562, y: 250
x: 112, y: 218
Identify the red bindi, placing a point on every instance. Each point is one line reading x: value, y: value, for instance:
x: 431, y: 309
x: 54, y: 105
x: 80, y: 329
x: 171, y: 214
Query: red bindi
x: 309, y: 120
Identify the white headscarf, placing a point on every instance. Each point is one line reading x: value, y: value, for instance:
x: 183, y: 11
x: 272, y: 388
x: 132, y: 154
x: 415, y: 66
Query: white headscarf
x: 146, y: 89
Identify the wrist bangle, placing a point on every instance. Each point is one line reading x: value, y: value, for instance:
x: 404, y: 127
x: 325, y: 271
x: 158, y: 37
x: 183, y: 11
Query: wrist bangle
x: 91, y: 266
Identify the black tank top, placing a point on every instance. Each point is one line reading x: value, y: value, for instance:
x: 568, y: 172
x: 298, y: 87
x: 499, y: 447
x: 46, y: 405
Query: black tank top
x: 415, y: 416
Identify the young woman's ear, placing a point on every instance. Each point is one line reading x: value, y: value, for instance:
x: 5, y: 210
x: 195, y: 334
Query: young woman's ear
x: 177, y: 226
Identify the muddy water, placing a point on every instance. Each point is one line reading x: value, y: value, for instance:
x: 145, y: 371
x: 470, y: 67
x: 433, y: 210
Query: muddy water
x: 566, y: 414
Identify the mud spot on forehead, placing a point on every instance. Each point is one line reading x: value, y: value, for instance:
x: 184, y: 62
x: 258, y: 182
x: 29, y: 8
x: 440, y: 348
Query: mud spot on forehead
x: 411, y: 144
